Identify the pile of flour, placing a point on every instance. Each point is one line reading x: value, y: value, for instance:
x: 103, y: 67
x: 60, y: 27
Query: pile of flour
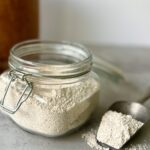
x: 53, y: 110
x: 116, y: 129
x: 90, y: 138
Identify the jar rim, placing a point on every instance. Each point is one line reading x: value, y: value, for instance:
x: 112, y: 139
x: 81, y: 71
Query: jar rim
x: 36, y: 57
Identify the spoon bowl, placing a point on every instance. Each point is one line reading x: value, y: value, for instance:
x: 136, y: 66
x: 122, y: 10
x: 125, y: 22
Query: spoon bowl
x: 134, y: 109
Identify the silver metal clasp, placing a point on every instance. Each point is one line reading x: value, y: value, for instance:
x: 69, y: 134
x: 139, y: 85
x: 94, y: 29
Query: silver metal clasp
x: 13, y: 74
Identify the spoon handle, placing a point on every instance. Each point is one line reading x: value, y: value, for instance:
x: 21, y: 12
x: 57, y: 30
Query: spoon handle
x: 145, y: 98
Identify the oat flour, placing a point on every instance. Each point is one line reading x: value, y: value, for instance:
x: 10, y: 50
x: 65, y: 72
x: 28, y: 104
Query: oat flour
x: 116, y: 129
x: 53, y: 110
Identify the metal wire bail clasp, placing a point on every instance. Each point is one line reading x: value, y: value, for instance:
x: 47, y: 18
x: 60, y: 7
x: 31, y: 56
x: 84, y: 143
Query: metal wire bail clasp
x: 13, y: 74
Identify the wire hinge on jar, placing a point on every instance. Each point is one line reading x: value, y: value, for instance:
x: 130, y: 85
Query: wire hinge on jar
x: 14, y: 74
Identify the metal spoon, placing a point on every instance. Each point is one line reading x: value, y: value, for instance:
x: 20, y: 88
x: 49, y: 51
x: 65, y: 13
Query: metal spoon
x: 135, y: 109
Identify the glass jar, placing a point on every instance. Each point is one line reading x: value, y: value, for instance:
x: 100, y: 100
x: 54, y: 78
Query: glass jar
x: 51, y: 89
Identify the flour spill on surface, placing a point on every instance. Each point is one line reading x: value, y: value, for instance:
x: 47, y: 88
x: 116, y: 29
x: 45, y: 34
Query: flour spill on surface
x: 90, y: 138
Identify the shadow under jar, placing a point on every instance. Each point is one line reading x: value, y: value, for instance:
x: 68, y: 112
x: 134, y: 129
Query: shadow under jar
x: 51, y: 89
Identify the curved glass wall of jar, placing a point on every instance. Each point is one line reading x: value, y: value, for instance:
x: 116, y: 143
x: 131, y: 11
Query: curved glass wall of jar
x: 51, y: 88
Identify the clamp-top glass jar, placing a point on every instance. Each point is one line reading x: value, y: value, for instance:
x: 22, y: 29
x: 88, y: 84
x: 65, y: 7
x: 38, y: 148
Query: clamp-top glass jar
x: 51, y: 89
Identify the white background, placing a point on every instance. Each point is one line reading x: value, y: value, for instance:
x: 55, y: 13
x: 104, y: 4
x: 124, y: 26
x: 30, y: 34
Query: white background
x: 102, y: 22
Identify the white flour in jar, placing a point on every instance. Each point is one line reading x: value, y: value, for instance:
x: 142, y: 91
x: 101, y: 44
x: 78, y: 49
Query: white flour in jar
x: 54, y: 110
x: 115, y: 129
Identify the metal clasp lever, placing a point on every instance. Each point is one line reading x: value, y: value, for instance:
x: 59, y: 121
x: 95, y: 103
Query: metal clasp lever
x: 13, y: 74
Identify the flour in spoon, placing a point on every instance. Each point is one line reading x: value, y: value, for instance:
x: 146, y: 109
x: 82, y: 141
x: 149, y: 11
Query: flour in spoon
x: 116, y: 129
x: 90, y: 138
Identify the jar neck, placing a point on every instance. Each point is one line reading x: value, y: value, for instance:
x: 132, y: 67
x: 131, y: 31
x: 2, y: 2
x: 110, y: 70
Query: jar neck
x: 50, y: 59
